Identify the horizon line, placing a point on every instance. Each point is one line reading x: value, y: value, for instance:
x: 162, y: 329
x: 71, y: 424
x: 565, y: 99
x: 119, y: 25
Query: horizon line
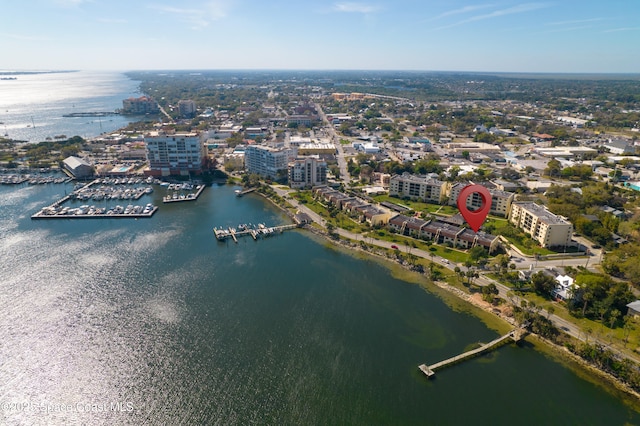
x: 329, y: 70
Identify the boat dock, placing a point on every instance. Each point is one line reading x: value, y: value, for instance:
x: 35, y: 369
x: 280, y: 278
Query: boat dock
x: 246, y: 191
x: 430, y: 370
x: 260, y: 231
x: 55, y: 211
x: 192, y: 196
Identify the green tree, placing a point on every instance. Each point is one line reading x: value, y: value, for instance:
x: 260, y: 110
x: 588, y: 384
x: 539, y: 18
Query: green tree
x: 553, y: 168
x: 543, y: 284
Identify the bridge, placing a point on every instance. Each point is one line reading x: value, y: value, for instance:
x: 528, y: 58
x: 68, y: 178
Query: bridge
x: 515, y: 334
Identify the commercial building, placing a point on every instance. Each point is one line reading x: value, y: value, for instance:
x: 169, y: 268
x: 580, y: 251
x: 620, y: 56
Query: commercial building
x: 566, y: 151
x: 141, y: 105
x: 174, y: 154
x: 267, y: 161
x: 422, y: 188
x: 307, y: 172
x: 316, y: 148
x: 548, y: 229
x: 77, y: 167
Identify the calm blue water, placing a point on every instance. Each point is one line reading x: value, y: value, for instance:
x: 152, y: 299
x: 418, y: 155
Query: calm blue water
x: 32, y: 107
x: 157, y: 316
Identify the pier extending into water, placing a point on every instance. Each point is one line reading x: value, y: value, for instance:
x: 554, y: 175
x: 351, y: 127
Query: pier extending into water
x: 515, y: 335
x: 175, y: 198
x: 246, y: 191
x: 260, y: 231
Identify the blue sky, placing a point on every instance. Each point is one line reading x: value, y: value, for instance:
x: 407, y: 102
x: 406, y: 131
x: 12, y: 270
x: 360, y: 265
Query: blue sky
x: 454, y: 35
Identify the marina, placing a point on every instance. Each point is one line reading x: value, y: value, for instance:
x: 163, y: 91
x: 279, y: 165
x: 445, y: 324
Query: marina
x: 259, y: 231
x: 17, y: 179
x: 98, y: 190
x: 55, y: 211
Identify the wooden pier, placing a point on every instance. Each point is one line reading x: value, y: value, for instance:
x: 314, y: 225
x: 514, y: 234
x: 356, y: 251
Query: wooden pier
x: 261, y: 231
x: 430, y: 370
x: 246, y: 191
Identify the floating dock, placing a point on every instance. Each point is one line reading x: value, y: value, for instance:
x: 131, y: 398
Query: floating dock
x: 430, y: 370
x: 57, y: 213
x: 188, y: 197
x: 223, y: 234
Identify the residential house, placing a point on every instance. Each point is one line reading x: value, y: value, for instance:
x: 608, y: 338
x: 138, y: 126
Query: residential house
x: 634, y: 309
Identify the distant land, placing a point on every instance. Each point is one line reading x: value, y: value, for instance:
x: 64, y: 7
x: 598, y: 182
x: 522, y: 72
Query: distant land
x: 520, y: 75
x: 5, y: 72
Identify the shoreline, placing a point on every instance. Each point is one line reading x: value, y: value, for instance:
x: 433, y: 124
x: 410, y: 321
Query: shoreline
x: 580, y: 366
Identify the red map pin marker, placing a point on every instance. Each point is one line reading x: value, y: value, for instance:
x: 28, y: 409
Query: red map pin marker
x: 475, y: 218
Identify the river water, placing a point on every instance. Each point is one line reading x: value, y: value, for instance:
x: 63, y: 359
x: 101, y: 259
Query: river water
x: 153, y: 321
x: 33, y: 106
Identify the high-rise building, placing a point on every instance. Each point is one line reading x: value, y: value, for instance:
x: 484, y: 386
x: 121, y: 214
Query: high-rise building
x: 307, y: 172
x: 267, y: 162
x: 187, y: 108
x: 174, y: 154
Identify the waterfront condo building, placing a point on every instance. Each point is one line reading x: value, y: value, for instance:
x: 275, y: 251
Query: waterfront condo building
x: 307, y: 172
x: 267, y: 161
x: 141, y: 105
x: 422, y: 188
x: 500, y: 200
x: 548, y: 229
x: 174, y: 154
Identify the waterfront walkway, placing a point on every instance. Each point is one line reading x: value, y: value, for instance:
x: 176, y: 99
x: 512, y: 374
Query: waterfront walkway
x: 515, y: 335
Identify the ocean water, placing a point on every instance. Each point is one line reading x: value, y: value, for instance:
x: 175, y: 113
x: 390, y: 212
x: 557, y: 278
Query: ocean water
x: 153, y: 321
x: 32, y: 106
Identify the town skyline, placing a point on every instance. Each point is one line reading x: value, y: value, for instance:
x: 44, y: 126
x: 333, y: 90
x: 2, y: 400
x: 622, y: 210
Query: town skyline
x: 466, y: 36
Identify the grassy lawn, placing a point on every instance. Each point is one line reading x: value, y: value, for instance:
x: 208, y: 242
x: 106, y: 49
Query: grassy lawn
x: 455, y: 256
x: 418, y: 206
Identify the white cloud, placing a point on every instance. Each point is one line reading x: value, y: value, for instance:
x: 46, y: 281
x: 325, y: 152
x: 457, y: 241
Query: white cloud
x: 580, y: 21
x: 616, y: 30
x: 568, y: 29
x: 521, y: 8
x: 463, y: 10
x: 71, y: 3
x: 353, y: 7
x: 198, y: 18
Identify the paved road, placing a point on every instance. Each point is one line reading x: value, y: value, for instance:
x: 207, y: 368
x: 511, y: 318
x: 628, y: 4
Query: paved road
x: 342, y: 162
x: 503, y: 291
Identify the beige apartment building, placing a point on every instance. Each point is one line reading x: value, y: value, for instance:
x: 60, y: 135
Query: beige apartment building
x: 548, y: 229
x: 500, y: 200
x: 422, y: 188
